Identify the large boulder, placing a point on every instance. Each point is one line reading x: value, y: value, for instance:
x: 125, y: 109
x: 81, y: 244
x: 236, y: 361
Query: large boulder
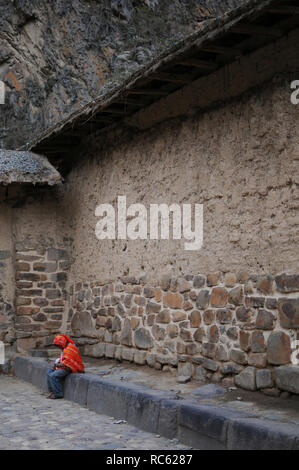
x: 287, y: 378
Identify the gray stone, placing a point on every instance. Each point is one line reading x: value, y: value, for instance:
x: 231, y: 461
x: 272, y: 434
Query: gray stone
x: 207, y: 391
x: 143, y: 339
x: 203, y: 298
x: 4, y: 254
x: 203, y: 427
x: 95, y: 350
x: 57, y: 254
x: 110, y: 350
x: 289, y: 312
x: 128, y: 354
x: 200, y: 374
x: 82, y: 325
x: 118, y: 351
x: 198, y: 281
x: 265, y: 320
x: 221, y: 354
x: 264, y: 378
x: 279, y: 348
x: 239, y: 356
x: 185, y: 369
x: 287, y: 282
x: 258, y: 434
x: 183, y: 379
x: 126, y: 334
x: 116, y: 323
x: 140, y: 357
x: 210, y: 365
x: 230, y: 368
x: 246, y: 379
x: 287, y: 378
x: 75, y: 388
x: 151, y: 359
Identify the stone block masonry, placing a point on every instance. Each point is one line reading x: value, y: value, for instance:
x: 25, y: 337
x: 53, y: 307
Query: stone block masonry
x: 6, y: 305
x: 41, y: 295
x: 234, y: 329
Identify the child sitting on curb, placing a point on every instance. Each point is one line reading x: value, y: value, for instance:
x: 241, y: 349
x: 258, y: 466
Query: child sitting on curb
x: 69, y: 362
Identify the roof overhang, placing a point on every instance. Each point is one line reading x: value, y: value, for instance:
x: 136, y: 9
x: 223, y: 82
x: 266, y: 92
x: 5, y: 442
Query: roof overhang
x: 218, y: 42
x: 26, y: 167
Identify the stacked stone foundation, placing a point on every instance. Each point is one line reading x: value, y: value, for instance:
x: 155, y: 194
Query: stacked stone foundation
x: 234, y: 329
x: 6, y: 305
x: 40, y: 296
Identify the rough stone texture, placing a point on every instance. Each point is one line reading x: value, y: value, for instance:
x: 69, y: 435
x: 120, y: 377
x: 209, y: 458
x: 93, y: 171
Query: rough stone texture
x: 143, y: 339
x: 257, y: 342
x: 117, y: 37
x: 257, y: 359
x: 238, y: 356
x: 265, y: 320
x: 23, y: 431
x: 185, y: 369
x: 264, y: 378
x: 289, y: 312
x: 42, y: 298
x: 219, y: 297
x: 287, y: 378
x: 246, y: 379
x: 279, y: 348
x: 287, y: 282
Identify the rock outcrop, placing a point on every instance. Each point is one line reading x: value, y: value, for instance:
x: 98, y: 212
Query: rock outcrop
x: 57, y: 56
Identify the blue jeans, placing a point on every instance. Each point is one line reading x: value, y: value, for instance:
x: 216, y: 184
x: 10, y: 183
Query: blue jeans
x: 54, y: 381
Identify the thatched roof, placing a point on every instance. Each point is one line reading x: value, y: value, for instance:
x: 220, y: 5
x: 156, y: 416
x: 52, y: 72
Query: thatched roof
x: 26, y: 167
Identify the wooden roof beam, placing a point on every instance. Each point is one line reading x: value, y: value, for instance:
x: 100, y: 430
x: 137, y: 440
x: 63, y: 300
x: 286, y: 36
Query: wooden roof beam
x: 169, y: 77
x: 48, y: 150
x: 148, y: 92
x: 201, y: 64
x: 129, y: 102
x: 231, y: 51
x: 284, y: 10
x: 98, y: 118
x: 256, y: 30
x: 113, y: 111
x: 76, y: 133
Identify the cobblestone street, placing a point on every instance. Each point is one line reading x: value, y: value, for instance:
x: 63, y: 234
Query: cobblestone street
x: 29, y: 421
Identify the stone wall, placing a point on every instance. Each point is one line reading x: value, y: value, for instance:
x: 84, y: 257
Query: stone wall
x: 237, y: 321
x: 223, y: 327
x: 41, y: 295
x: 7, y: 331
x: 6, y: 304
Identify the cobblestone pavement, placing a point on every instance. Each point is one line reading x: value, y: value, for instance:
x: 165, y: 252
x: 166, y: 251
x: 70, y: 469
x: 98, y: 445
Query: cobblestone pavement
x: 29, y: 421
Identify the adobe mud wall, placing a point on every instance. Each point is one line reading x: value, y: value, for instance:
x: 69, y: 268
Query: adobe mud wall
x: 228, y: 312
x: 240, y: 161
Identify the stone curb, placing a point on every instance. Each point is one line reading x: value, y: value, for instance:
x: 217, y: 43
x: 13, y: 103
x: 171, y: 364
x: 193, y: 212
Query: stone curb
x: 205, y: 427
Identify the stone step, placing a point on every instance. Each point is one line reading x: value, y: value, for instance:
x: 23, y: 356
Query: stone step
x: 202, y: 426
